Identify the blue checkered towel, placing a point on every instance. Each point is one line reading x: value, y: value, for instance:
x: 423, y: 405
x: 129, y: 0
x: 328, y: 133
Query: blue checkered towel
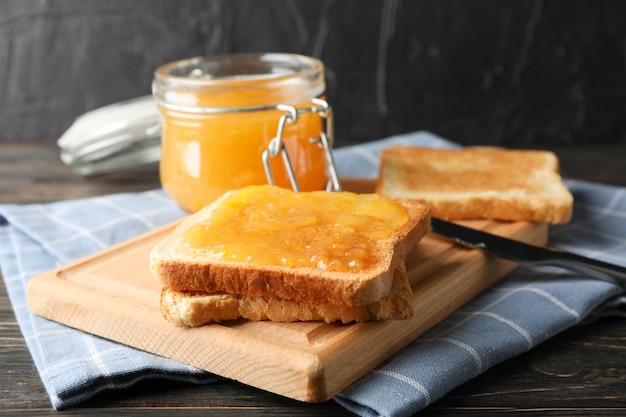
x: 524, y: 309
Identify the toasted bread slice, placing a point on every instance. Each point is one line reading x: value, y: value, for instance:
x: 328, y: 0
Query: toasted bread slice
x: 330, y: 222
x: 193, y: 309
x: 478, y: 183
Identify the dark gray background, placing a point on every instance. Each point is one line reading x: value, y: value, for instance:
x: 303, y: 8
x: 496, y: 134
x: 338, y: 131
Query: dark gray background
x: 514, y: 73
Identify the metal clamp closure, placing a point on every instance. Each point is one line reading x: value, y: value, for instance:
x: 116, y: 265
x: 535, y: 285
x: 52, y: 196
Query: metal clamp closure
x: 276, y: 146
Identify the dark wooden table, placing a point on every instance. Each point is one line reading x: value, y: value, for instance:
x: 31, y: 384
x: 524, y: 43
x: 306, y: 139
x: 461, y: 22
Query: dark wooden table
x: 579, y: 372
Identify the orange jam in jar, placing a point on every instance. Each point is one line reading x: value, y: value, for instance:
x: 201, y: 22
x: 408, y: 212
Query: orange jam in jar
x: 220, y: 114
x: 264, y: 225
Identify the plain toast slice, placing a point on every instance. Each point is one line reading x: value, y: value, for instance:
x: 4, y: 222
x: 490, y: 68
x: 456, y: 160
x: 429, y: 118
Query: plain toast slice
x: 193, y: 309
x: 478, y: 183
x: 181, y: 267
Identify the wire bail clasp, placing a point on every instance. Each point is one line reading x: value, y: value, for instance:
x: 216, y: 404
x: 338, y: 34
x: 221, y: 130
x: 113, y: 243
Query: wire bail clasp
x: 276, y: 146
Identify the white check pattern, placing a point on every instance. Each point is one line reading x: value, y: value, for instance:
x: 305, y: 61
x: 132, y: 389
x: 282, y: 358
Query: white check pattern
x: 524, y: 309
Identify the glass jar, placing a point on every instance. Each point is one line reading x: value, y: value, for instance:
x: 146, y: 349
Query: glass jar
x: 230, y: 121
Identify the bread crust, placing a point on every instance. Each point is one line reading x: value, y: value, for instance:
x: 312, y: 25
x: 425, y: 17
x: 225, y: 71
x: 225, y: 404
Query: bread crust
x: 180, y: 270
x: 478, y: 183
x: 193, y: 309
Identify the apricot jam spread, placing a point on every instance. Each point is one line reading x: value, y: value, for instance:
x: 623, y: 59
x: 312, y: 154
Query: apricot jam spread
x: 267, y: 225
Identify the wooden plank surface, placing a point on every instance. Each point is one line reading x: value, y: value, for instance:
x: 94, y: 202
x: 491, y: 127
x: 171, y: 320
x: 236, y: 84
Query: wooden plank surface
x: 114, y: 295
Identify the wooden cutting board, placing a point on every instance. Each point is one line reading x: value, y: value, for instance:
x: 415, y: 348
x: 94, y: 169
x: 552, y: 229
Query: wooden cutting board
x: 113, y: 294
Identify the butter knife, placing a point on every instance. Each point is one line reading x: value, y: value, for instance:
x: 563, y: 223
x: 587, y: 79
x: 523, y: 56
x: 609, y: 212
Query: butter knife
x: 524, y: 253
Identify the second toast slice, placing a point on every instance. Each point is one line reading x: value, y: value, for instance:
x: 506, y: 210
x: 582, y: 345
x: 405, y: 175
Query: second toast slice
x: 478, y: 183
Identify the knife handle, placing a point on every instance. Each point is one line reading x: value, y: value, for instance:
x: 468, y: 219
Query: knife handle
x: 523, y: 253
x: 586, y: 265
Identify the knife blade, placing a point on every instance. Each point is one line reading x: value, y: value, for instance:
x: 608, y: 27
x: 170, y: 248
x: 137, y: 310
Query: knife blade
x: 524, y: 253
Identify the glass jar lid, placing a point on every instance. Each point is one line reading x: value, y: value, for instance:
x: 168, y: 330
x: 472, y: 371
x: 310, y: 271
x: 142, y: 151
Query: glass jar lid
x: 114, y: 137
